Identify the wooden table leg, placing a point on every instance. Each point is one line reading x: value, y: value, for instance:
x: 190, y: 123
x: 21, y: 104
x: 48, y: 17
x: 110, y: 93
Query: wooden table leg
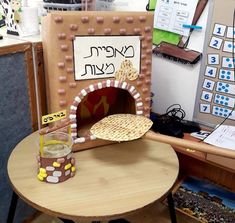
x: 171, y: 207
x: 66, y: 220
x: 119, y: 221
x: 12, y: 208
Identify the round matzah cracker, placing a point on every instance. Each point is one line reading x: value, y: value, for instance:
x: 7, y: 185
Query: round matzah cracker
x: 121, y: 127
x: 132, y: 74
x: 120, y: 75
x: 126, y: 64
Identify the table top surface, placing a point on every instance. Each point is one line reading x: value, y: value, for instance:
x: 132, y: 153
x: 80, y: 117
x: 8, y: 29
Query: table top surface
x: 111, y: 181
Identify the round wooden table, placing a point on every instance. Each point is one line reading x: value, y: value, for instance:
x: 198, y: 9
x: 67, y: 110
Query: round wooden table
x: 111, y: 181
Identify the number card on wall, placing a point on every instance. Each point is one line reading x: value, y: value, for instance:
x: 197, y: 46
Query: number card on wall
x: 216, y: 89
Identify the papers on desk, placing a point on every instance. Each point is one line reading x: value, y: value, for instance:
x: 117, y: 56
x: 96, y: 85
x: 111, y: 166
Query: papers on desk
x: 223, y: 136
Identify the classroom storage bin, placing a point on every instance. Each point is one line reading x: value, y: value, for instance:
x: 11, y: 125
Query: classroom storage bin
x: 68, y: 5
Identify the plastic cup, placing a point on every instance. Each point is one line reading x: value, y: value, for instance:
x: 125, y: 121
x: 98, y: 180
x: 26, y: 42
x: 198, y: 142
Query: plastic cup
x: 55, y: 160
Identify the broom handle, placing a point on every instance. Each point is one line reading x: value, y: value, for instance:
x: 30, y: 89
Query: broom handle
x: 198, y: 146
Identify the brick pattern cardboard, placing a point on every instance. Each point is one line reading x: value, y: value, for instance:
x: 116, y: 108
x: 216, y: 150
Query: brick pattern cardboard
x: 59, y: 31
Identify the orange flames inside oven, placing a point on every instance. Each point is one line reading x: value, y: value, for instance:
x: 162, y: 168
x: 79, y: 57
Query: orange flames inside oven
x: 97, y: 103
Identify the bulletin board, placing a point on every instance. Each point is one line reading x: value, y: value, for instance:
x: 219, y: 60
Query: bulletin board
x: 17, y: 106
x: 216, y: 86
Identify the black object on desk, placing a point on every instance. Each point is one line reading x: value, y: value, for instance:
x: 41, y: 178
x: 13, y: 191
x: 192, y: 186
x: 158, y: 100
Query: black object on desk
x: 173, y: 125
x: 167, y: 125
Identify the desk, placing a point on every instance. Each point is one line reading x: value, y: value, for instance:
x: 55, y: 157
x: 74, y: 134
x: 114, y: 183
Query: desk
x: 111, y: 181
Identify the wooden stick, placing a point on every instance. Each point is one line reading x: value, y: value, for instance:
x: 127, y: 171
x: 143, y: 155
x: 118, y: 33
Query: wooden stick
x: 198, y: 146
x: 54, y: 128
x: 41, y: 142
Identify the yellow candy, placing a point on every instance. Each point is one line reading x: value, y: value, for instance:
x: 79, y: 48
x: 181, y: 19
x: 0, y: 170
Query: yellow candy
x: 42, y: 170
x: 43, y: 175
x: 73, y: 169
x: 40, y: 177
x: 55, y: 164
x: 67, y: 166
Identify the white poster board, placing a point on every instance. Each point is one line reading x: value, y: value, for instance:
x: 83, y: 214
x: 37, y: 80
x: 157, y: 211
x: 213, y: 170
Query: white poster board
x: 215, y: 98
x: 101, y: 56
x: 171, y: 15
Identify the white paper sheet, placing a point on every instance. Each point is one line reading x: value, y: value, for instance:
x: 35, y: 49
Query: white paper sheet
x: 223, y: 136
x: 170, y: 15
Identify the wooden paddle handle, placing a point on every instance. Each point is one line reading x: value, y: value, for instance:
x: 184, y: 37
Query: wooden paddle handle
x: 198, y: 146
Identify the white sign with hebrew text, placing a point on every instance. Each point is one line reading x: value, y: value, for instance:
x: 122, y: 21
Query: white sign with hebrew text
x: 101, y: 56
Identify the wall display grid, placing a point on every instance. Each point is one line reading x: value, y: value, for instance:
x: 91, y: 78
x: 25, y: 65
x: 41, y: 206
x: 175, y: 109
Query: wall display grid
x: 216, y: 87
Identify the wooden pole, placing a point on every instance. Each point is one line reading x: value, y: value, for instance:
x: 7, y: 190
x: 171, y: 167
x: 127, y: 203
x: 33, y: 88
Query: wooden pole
x: 54, y: 128
x: 198, y: 146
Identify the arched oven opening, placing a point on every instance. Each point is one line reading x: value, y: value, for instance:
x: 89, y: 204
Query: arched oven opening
x: 101, y: 103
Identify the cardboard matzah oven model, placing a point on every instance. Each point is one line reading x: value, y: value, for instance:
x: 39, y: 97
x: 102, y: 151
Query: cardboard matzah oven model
x: 97, y: 64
